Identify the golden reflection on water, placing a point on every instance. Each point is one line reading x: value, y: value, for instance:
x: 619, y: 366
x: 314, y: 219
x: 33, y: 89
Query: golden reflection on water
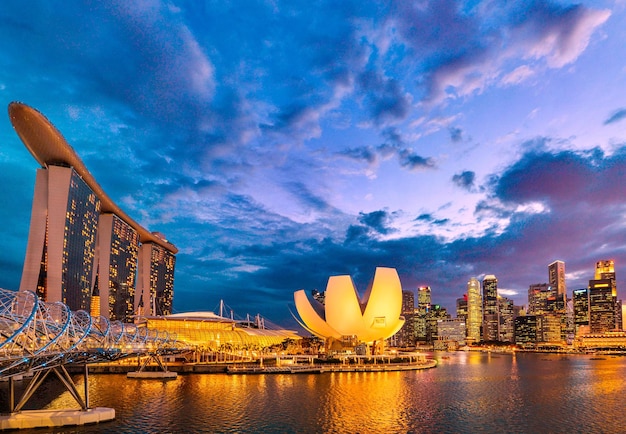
x: 382, y: 393
x: 467, y: 392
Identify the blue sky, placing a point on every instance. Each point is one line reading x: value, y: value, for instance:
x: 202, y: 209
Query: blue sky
x: 279, y: 143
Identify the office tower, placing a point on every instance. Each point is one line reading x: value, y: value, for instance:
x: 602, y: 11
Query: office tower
x: 419, y: 325
x: 581, y: 310
x: 461, y: 307
x: 538, y: 295
x: 155, y: 284
x: 606, y: 270
x: 118, y: 246
x: 474, y: 311
x: 406, y: 336
x: 422, y: 329
x: 604, y: 312
x: 436, y: 313
x: 528, y: 330
x: 451, y: 334
x: 490, y: 308
x: 507, y: 319
x: 556, y: 279
x: 59, y: 261
x: 551, y: 330
x: 424, y: 298
x: 601, y: 306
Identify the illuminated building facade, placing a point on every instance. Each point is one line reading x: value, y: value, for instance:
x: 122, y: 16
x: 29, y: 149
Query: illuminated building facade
x: 155, y: 288
x: 491, y: 322
x: 61, y: 248
x: 604, y: 308
x: 606, y: 270
x: 424, y: 298
x: 507, y: 315
x: 461, y: 307
x: 117, y: 265
x: 348, y: 318
x: 601, y: 306
x: 581, y: 310
x: 474, y: 310
x: 450, y: 334
x: 556, y: 279
x: 436, y: 313
x: 528, y: 330
x: 80, y: 244
x: 538, y: 295
x: 406, y: 336
x: 551, y: 328
x: 208, y: 331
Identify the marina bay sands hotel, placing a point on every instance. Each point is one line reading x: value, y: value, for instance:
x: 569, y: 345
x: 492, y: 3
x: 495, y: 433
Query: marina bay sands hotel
x: 83, y: 250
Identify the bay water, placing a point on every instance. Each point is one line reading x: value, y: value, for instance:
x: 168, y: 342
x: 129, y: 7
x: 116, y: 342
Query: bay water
x: 468, y: 392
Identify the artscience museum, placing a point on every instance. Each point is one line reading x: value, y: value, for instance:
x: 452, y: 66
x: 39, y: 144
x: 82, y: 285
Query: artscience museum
x: 344, y: 316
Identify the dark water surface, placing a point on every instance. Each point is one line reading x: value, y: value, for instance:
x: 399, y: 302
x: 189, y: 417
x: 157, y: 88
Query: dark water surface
x: 466, y: 393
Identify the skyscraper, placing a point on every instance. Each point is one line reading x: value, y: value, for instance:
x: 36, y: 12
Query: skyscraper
x: 74, y: 252
x: 506, y: 313
x: 604, y: 312
x: 491, y: 320
x: 528, y: 330
x: 556, y: 279
x: 581, y: 310
x: 155, y: 286
x: 424, y: 298
x: 117, y: 267
x: 538, y: 295
x: 461, y: 307
x: 60, y: 253
x: 601, y: 306
x: 406, y: 335
x: 474, y: 310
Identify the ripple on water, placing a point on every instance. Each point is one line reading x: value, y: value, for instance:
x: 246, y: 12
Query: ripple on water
x: 468, y: 393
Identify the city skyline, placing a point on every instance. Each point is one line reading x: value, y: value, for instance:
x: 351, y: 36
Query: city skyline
x: 277, y: 145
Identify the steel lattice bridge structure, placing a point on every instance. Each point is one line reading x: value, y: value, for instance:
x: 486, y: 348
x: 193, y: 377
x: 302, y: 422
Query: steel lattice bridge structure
x: 38, y: 338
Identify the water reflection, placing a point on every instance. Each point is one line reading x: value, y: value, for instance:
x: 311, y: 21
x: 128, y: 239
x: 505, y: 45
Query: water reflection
x: 467, y: 392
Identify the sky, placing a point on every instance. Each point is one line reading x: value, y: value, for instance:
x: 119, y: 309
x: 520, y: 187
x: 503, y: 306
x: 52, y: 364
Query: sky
x: 279, y: 143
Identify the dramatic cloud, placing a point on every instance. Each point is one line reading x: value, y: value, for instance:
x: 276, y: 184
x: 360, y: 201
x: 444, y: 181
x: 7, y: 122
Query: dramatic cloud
x: 279, y: 143
x: 467, y: 51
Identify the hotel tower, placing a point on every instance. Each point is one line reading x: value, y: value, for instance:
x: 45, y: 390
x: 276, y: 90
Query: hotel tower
x: 82, y: 248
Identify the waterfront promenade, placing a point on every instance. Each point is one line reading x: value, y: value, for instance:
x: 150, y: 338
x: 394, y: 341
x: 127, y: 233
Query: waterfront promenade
x: 283, y: 365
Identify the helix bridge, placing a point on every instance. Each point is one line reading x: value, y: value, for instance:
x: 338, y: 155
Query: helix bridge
x: 37, y: 338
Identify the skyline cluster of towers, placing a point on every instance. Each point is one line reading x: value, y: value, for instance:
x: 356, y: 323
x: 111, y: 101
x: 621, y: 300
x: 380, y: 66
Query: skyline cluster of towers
x: 82, y: 249
x: 482, y: 315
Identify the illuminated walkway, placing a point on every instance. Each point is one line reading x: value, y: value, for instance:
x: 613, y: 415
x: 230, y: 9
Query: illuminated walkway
x: 38, y: 338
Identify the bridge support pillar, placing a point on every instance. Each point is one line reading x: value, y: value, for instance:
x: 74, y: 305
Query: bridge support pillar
x: 26, y: 419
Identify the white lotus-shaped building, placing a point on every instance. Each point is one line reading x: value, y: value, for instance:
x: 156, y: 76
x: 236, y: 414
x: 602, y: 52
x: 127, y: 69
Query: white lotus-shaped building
x: 375, y: 318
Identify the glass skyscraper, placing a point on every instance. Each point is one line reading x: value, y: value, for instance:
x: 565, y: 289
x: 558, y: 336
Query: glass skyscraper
x: 155, y: 288
x: 491, y: 321
x: 59, y: 261
x: 474, y: 310
x: 604, y: 312
x: 117, y: 265
x: 556, y: 279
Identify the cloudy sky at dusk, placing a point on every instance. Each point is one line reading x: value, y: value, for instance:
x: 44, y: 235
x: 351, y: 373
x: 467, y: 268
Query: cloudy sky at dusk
x: 278, y: 143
